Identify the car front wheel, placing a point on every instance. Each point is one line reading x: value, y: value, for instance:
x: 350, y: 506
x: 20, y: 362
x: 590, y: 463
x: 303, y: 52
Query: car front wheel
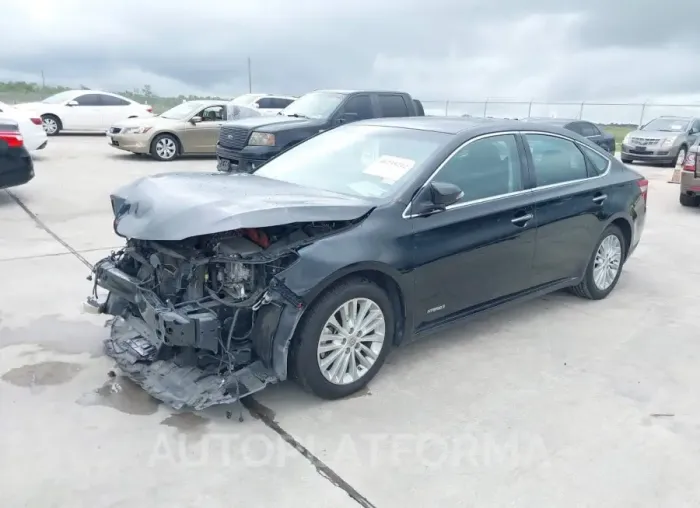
x: 343, y: 340
x: 164, y: 147
x: 604, y: 268
x: 51, y: 124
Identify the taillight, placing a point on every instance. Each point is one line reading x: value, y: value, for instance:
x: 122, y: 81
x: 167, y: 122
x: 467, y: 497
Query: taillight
x: 644, y: 187
x: 13, y: 139
x: 689, y: 163
x: 36, y: 121
x: 149, y: 109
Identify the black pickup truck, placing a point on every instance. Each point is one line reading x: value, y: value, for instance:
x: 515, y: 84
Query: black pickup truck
x: 244, y: 145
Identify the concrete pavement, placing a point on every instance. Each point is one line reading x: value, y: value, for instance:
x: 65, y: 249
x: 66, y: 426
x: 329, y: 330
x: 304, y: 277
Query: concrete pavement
x: 557, y: 402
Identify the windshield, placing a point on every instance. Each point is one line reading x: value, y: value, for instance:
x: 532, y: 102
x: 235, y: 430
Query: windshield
x: 59, y: 97
x: 361, y: 160
x: 319, y: 105
x: 182, y: 111
x: 246, y: 100
x: 667, y: 125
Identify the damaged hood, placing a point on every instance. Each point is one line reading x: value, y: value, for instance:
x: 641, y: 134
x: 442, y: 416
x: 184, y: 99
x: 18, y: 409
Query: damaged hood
x: 175, y: 206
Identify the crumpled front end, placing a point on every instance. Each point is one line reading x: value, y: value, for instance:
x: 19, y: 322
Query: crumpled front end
x: 202, y: 321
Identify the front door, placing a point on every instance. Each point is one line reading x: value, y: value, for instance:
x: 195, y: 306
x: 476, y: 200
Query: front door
x: 86, y: 115
x: 201, y: 137
x: 568, y: 203
x: 481, y: 248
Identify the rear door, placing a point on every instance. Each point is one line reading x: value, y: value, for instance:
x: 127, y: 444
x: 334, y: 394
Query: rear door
x: 115, y: 109
x: 392, y: 105
x: 569, y: 196
x: 481, y: 248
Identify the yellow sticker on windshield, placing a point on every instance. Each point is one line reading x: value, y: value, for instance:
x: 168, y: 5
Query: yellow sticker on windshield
x: 389, y: 168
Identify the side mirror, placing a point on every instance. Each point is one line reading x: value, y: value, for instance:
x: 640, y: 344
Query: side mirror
x: 444, y: 194
x: 195, y: 119
x: 347, y: 118
x: 436, y: 197
x: 72, y: 103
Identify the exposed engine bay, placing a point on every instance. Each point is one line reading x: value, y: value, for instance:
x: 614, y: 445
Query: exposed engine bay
x: 188, y: 323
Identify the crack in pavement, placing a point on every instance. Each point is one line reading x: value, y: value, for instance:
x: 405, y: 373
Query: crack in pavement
x: 43, y: 226
x: 262, y: 413
x: 55, y: 254
x: 257, y: 410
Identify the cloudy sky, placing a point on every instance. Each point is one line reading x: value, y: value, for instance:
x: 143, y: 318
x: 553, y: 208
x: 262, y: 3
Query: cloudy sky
x: 436, y: 49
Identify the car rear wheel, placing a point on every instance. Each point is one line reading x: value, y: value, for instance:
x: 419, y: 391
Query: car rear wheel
x: 604, y: 268
x: 343, y: 340
x: 52, y: 124
x: 165, y: 147
x: 686, y: 200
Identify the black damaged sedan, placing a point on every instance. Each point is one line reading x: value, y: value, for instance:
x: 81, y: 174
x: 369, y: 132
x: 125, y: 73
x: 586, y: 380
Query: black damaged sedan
x: 356, y: 241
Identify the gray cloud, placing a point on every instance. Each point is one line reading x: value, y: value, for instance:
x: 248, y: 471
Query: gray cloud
x: 433, y: 48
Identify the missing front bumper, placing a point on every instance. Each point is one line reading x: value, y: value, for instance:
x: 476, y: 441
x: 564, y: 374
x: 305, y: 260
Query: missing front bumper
x: 175, y: 383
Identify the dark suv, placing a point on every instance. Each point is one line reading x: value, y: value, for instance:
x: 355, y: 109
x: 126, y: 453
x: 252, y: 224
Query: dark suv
x: 247, y: 144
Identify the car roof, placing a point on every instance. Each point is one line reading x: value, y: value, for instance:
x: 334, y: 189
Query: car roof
x: 446, y: 124
x: 348, y: 92
x: 553, y: 121
x: 671, y: 117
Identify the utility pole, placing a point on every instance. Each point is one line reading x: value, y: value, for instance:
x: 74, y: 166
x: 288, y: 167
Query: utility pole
x: 250, y: 78
x: 43, y: 81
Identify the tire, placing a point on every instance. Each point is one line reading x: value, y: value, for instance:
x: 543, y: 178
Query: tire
x: 686, y: 200
x: 165, y: 147
x: 682, y: 151
x: 588, y: 288
x: 305, y: 358
x: 52, y: 124
x: 626, y: 160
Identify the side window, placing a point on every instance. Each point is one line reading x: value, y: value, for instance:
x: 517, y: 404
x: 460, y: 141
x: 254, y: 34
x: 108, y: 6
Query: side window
x: 696, y: 125
x: 110, y: 100
x: 588, y: 129
x: 575, y: 127
x: 484, y: 168
x: 599, y: 162
x: 392, y: 106
x: 361, y: 105
x: 280, y: 103
x: 556, y: 160
x: 212, y: 114
x: 89, y: 99
x: 265, y: 103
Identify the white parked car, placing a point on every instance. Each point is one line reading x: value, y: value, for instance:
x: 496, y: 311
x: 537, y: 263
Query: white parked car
x: 30, y: 126
x: 85, y: 110
x: 266, y: 103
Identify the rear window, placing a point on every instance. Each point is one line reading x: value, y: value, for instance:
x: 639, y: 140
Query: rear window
x: 599, y: 162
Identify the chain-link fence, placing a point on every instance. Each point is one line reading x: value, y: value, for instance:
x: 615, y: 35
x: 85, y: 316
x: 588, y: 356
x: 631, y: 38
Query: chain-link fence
x: 604, y: 113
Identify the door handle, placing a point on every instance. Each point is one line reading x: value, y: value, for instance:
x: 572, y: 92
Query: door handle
x: 521, y: 220
x: 600, y: 198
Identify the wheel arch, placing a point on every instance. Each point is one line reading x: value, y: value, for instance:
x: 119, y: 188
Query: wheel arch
x: 625, y: 225
x: 383, y: 275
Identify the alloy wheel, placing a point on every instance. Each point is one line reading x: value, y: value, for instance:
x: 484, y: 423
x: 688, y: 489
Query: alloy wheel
x: 166, y: 148
x: 351, y: 341
x: 607, y: 262
x: 50, y: 125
